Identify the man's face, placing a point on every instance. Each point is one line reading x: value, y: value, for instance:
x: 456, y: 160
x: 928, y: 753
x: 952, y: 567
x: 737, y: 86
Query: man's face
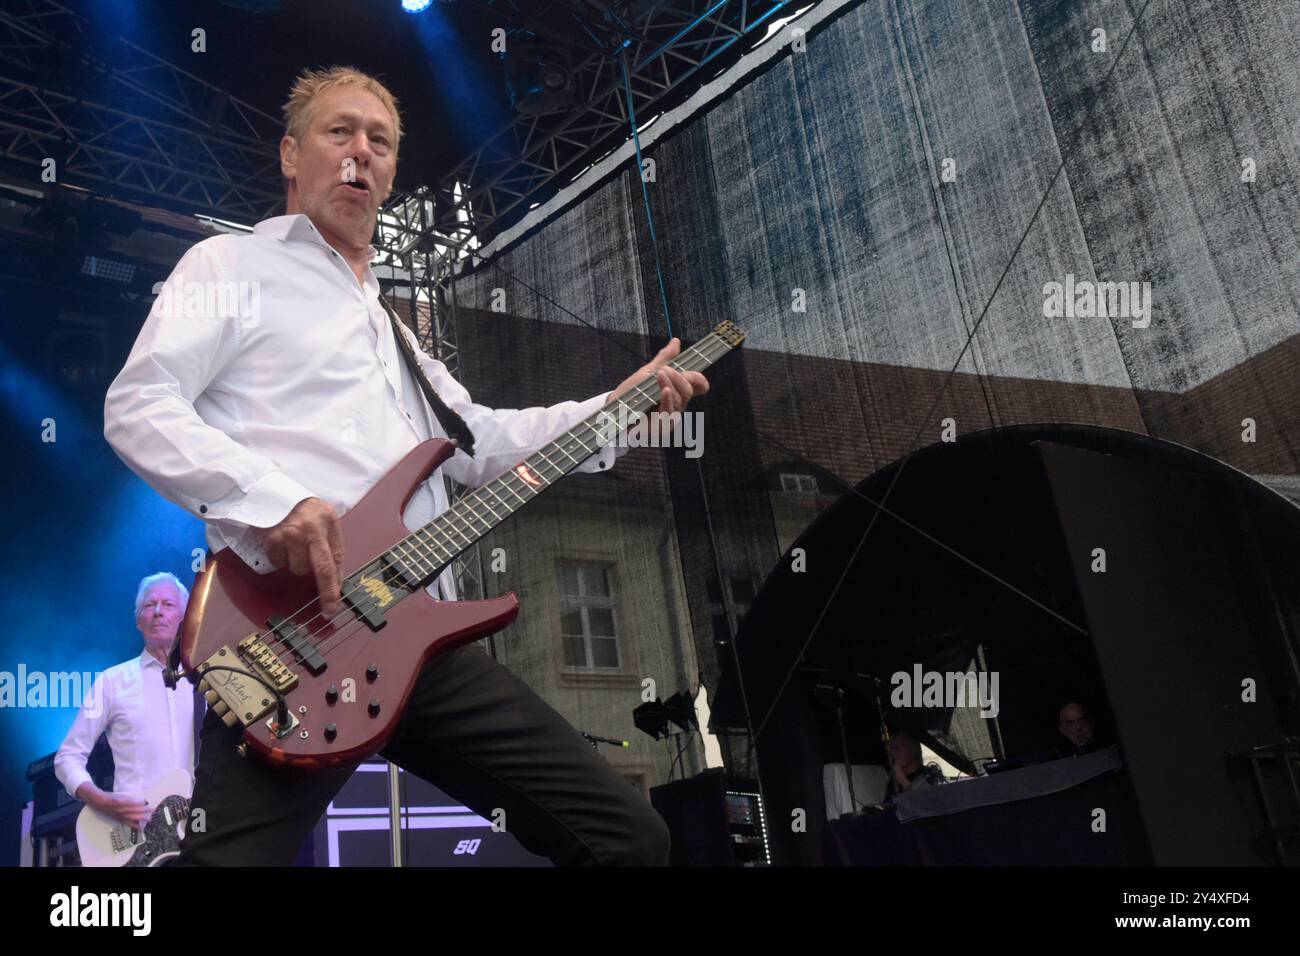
x: 1076, y: 725
x: 902, y: 750
x: 342, y: 169
x: 160, y: 615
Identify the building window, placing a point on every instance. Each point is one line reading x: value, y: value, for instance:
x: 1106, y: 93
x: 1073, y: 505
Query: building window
x: 798, y: 484
x: 587, y: 617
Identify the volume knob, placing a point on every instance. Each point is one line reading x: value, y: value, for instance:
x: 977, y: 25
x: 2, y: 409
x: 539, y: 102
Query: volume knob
x: 373, y: 708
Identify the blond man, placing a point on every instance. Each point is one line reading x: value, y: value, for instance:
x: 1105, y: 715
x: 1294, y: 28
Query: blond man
x: 236, y: 415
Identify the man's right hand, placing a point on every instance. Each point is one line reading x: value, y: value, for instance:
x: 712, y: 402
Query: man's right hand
x: 125, y: 809
x: 308, y: 540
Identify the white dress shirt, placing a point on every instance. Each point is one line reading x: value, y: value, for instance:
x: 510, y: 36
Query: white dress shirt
x: 150, y: 728
x: 293, y: 388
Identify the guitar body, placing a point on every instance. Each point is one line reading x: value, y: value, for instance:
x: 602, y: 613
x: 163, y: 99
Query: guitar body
x: 104, y: 841
x: 347, y: 710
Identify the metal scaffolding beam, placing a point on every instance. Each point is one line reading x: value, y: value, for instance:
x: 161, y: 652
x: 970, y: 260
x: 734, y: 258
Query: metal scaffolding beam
x: 124, y: 122
x: 665, y: 45
x: 408, y: 241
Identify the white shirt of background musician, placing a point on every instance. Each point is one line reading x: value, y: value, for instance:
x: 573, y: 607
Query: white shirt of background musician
x: 150, y: 728
x: 297, y: 390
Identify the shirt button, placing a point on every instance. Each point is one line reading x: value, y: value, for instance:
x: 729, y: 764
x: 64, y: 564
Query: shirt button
x: 203, y: 509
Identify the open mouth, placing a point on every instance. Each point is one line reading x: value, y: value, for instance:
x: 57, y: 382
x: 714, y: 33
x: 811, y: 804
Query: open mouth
x: 360, y: 185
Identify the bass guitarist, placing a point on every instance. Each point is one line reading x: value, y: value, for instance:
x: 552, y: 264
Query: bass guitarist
x: 266, y: 394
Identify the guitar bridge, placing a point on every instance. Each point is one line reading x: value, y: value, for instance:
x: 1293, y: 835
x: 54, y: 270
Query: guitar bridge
x: 237, y: 695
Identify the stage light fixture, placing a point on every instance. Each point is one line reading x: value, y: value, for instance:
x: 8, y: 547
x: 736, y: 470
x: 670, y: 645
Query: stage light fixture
x: 539, y: 78
x: 416, y: 6
x: 651, y: 718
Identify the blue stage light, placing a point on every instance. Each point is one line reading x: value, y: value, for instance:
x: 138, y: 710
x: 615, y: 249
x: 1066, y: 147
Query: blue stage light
x: 416, y: 6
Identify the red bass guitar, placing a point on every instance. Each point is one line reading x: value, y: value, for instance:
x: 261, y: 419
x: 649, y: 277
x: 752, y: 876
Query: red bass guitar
x: 314, y: 691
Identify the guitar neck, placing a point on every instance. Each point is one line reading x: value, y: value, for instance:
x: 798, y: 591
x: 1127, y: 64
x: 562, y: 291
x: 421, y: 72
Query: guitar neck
x: 426, y: 551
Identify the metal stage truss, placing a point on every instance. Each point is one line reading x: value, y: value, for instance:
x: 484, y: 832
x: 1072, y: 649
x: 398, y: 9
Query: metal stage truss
x: 125, y: 123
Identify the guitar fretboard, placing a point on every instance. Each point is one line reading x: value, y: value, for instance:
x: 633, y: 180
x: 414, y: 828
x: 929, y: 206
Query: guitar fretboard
x: 423, y: 553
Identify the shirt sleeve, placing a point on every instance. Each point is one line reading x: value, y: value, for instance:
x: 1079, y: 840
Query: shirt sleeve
x: 90, y: 722
x: 505, y: 436
x: 151, y: 422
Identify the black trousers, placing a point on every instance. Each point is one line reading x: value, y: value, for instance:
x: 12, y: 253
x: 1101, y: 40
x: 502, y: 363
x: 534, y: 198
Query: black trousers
x: 472, y: 729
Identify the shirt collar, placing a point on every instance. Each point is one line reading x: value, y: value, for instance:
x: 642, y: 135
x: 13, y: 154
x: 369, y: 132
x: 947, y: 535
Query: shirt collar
x: 147, y: 659
x: 297, y: 228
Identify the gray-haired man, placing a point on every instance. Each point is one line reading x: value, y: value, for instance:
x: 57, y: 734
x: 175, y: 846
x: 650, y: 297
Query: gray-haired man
x: 150, y: 726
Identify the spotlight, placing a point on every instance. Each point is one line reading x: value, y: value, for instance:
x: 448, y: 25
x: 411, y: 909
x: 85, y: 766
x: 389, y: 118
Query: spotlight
x: 97, y: 267
x: 416, y: 6
x: 680, y: 709
x: 653, y: 717
x: 539, y: 79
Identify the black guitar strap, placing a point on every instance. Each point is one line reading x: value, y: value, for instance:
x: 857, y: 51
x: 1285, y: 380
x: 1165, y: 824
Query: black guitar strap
x: 200, y: 710
x: 452, y: 423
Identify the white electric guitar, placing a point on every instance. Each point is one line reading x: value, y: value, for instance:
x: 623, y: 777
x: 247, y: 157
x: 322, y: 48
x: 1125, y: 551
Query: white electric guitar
x: 105, y: 841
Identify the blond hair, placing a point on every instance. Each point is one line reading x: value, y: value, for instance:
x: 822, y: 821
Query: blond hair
x: 312, y: 83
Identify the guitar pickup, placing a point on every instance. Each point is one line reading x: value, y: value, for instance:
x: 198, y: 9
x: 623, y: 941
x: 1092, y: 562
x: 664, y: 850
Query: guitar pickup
x: 302, y: 647
x: 375, y: 589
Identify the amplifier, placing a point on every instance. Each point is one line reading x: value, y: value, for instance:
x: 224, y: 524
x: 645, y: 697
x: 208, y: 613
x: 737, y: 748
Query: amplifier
x: 49, y: 796
x: 715, y: 820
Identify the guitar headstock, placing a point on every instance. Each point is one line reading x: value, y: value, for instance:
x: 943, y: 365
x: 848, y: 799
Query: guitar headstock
x: 730, y: 333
